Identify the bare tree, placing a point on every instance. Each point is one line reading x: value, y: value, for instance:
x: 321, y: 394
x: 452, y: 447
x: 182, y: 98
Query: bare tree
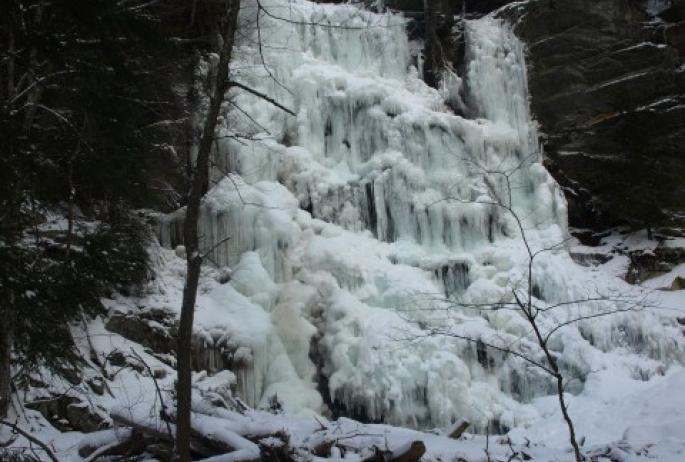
x: 522, y: 296
x: 5, y: 363
x: 198, y: 187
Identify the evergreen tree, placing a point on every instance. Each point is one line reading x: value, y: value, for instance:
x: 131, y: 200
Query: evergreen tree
x: 81, y: 93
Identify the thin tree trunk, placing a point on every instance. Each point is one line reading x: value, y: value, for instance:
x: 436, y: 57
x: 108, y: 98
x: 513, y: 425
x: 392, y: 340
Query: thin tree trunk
x: 556, y: 373
x: 70, y: 214
x: 36, y: 94
x: 10, y: 64
x: 431, y: 43
x: 194, y: 258
x: 448, y: 12
x: 6, y: 305
x: 5, y: 357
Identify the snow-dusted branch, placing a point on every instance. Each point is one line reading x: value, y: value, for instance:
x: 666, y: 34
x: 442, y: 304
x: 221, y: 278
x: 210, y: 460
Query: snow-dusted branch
x: 262, y: 96
x: 31, y: 438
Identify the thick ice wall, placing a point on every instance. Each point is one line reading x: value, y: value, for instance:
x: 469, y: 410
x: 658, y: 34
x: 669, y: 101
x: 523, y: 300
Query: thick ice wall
x: 497, y: 79
x: 237, y: 217
x: 345, y: 73
x: 378, y: 215
x: 341, y: 35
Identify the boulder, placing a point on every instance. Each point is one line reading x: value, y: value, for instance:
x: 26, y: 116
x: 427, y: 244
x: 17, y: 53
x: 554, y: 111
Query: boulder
x: 646, y: 264
x: 677, y: 284
x: 69, y: 413
x: 155, y: 329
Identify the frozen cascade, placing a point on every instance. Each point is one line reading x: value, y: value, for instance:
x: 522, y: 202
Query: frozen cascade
x: 368, y: 219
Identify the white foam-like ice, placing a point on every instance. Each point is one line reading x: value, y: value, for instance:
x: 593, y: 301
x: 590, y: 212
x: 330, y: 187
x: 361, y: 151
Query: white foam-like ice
x: 376, y: 215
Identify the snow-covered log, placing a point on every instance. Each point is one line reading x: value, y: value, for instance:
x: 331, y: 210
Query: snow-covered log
x: 131, y: 445
x: 457, y: 429
x: 237, y: 456
x: 143, y: 424
x: 97, y: 440
x: 321, y: 447
x: 241, y: 424
x: 219, y: 434
x: 406, y: 452
x: 411, y: 452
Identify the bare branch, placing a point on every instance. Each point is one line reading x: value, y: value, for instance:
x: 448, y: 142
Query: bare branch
x: 32, y: 439
x: 262, y: 96
x: 212, y: 248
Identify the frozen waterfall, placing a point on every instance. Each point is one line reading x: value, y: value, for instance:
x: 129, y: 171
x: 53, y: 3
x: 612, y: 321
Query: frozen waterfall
x: 377, y: 215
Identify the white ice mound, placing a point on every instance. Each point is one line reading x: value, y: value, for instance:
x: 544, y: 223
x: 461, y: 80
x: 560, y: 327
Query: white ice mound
x: 376, y: 217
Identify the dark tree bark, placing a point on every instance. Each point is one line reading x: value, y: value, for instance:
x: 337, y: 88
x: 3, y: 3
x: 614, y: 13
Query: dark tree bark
x: 431, y: 47
x: 448, y: 8
x: 198, y: 187
x: 6, y: 305
x: 5, y: 359
x: 438, y: 39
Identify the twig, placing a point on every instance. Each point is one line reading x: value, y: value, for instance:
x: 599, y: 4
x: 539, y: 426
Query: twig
x: 212, y: 248
x: 32, y: 439
x: 262, y: 96
x: 163, y: 414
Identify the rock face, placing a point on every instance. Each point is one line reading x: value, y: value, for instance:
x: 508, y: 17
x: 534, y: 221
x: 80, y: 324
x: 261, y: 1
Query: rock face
x: 608, y: 87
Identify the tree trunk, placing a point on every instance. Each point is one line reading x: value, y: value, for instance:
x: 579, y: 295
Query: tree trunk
x: 6, y: 305
x: 5, y: 359
x: 194, y: 258
x: 431, y: 43
x: 556, y: 373
x: 448, y: 12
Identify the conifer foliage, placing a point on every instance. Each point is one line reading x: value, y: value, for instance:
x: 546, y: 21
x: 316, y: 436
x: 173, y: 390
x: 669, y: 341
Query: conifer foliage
x: 81, y: 95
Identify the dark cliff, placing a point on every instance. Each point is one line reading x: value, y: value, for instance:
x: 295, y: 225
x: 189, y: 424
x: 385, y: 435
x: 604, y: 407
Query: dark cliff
x: 607, y: 84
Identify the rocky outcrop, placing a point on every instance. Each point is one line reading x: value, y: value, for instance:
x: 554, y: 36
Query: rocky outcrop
x: 608, y: 87
x: 69, y: 413
x: 155, y: 329
x: 646, y: 264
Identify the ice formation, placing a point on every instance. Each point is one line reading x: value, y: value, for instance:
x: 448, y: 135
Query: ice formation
x: 377, y: 215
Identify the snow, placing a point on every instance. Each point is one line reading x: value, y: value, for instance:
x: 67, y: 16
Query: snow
x: 376, y: 216
x: 654, y: 7
x: 373, y: 219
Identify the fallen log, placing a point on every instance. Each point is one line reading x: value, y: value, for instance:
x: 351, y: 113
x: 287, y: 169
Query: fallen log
x: 218, y: 435
x: 242, y: 455
x: 243, y: 425
x: 130, y: 445
x: 322, y: 448
x: 457, y: 429
x: 162, y: 451
x: 409, y: 453
x: 144, y: 426
x: 97, y: 440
